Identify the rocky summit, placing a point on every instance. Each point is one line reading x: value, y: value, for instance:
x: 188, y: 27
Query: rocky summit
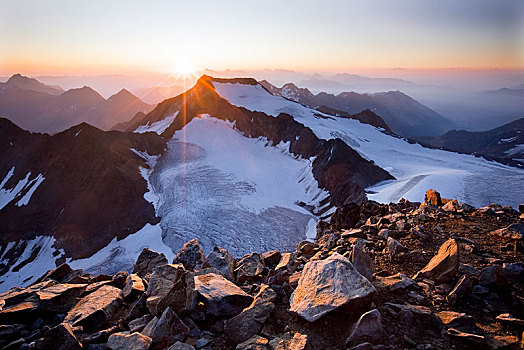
x: 431, y: 275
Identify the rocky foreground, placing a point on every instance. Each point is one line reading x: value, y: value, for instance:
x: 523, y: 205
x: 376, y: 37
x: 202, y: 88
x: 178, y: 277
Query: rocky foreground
x: 436, y: 275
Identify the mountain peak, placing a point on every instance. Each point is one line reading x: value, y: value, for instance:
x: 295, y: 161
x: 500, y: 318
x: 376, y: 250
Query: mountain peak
x: 25, y: 83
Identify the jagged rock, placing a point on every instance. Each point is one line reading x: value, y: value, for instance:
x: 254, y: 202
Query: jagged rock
x: 456, y: 319
x: 200, y: 343
x: 181, y: 346
x: 346, y: 216
x: 306, y: 248
x: 134, y: 287
x: 147, y: 261
x: 138, y: 324
x: 513, y: 270
x: 160, y: 284
x: 76, y: 276
x: 223, y: 261
x: 433, y: 197
x: 181, y: 297
x: 452, y: 206
x: 272, y: 257
x: 493, y: 277
x: 326, y: 285
x: 395, y: 248
x: 368, y: 328
x: 249, y: 322
x: 461, y: 289
x: 287, y: 342
x: 166, y: 330
x: 514, y: 231
x: 256, y: 342
x: 286, y: 263
x: 328, y: 241
x: 119, y: 279
x: 94, y: 309
x: 59, y: 297
x: 57, y: 274
x: 249, y: 267
x: 61, y: 337
x: 17, y: 295
x: 469, y: 270
x: 125, y: 341
x: 443, y: 266
x: 362, y: 262
x: 191, y: 255
x: 508, y: 319
x: 100, y: 336
x: 222, y: 298
x: 395, y: 283
x: 418, y: 318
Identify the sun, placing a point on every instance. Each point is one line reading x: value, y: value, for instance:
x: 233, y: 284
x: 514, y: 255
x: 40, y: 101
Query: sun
x: 184, y: 67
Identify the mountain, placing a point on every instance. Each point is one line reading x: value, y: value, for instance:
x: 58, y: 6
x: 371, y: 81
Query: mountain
x: 504, y: 144
x: 347, y: 81
x: 157, y: 94
x: 227, y: 162
x: 404, y: 115
x: 21, y: 82
x: 41, y: 111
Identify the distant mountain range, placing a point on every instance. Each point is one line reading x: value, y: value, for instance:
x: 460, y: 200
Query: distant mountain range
x: 504, y: 144
x: 37, y: 107
x: 404, y: 115
x: 347, y: 81
x: 157, y: 94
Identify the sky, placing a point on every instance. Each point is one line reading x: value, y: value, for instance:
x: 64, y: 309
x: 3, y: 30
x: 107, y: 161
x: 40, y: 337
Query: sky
x: 105, y: 37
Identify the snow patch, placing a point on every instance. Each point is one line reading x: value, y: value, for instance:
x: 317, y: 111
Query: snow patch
x: 32, y: 188
x: 159, y: 127
x: 515, y: 150
x: 7, y: 195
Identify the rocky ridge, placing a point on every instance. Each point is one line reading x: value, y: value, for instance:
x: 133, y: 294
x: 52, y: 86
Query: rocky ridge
x: 429, y: 275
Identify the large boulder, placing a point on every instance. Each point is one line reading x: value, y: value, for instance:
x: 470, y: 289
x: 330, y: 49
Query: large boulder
x: 161, y: 283
x: 221, y: 297
x: 133, y: 341
x: 147, y: 261
x: 181, y: 297
x: 443, y: 266
x: 368, y: 328
x: 433, y: 197
x: 223, y: 261
x: 191, y: 255
x: 249, y: 322
x: 96, y: 308
x: 326, y: 285
x: 61, y: 337
x: 165, y: 330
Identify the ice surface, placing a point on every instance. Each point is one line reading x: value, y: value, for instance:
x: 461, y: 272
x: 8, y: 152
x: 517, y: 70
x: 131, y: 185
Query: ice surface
x: 416, y: 168
x: 229, y: 190
x: 158, y: 127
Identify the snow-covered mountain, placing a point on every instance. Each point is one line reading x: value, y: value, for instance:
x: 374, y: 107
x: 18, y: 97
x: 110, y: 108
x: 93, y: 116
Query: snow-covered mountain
x: 227, y: 162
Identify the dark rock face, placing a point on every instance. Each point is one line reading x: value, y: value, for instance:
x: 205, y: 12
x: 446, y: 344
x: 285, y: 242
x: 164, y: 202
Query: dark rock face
x: 190, y: 255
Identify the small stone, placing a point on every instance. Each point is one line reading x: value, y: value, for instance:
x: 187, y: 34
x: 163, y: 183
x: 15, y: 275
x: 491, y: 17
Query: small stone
x: 461, y: 289
x: 395, y: 248
x: 493, y: 277
x: 61, y: 337
x: 133, y: 341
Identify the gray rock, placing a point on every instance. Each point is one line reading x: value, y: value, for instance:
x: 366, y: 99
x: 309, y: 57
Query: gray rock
x: 181, y: 346
x: 513, y: 270
x: 147, y: 261
x: 191, y: 255
x: 395, y: 248
x: 368, y: 328
x: 419, y: 318
x: 394, y: 283
x: 249, y: 322
x: 166, y: 330
x: 326, y: 285
x: 61, y: 337
x: 134, y: 287
x: 96, y: 308
x: 362, y: 262
x: 181, y: 297
x: 443, y: 266
x: 249, y: 267
x: 222, y: 298
x: 133, y: 341
x: 160, y: 284
x: 271, y: 258
x: 138, y: 324
x: 220, y: 259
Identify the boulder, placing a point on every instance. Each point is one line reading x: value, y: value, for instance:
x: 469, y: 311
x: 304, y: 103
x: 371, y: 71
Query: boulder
x: 124, y: 341
x: 452, y: 206
x: 221, y: 297
x: 59, y: 297
x: 166, y: 330
x: 287, y: 342
x: 119, y: 279
x: 249, y: 267
x: 433, y: 197
x: 272, y: 257
x: 256, y: 342
x: 61, y: 337
x: 96, y: 308
x: 134, y: 287
x: 181, y: 297
x: 249, y: 322
x: 326, y: 285
x: 138, y: 324
x: 161, y: 282
x: 443, y: 266
x: 493, y: 277
x: 368, y: 328
x: 362, y: 262
x: 395, y: 248
x: 394, y: 283
x: 223, y: 261
x: 415, y: 317
x: 514, y: 232
x: 286, y: 263
x: 461, y: 289
x: 306, y: 248
x: 147, y: 261
x: 191, y: 255
x: 181, y: 346
x: 57, y: 274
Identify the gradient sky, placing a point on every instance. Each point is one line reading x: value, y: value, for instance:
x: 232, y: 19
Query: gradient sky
x: 57, y: 37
